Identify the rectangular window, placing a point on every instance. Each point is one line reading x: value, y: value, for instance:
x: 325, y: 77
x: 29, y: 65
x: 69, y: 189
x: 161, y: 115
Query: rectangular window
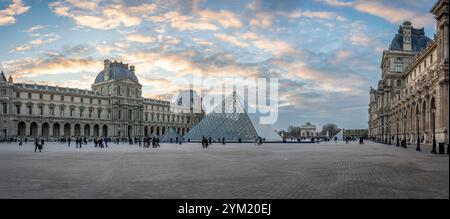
x: 41, y: 110
x: 18, y: 109
x: 41, y: 96
x: 62, y: 112
x: 81, y: 99
x: 62, y: 97
x: 99, y: 102
x: 71, y: 112
x: 72, y: 99
x: 18, y: 94
x: 51, y: 97
x: 5, y: 108
x: 90, y: 100
x: 90, y: 113
x: 52, y: 111
x: 120, y: 114
x: 99, y: 113
x: 29, y: 95
x: 30, y: 110
x: 81, y: 112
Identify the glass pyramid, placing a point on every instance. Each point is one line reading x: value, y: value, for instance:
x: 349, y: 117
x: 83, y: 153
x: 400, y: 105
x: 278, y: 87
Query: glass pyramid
x: 229, y: 120
x: 171, y: 136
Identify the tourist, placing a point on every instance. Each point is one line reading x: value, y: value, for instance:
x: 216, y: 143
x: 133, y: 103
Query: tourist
x: 361, y: 140
x: 20, y: 141
x: 223, y: 141
x: 68, y: 142
x: 203, y: 142
x: 37, y: 146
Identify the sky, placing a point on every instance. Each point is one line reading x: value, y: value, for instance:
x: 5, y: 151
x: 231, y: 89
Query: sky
x: 325, y: 53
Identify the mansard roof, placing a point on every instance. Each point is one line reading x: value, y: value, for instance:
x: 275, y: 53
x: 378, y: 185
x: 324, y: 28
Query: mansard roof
x: 418, y: 39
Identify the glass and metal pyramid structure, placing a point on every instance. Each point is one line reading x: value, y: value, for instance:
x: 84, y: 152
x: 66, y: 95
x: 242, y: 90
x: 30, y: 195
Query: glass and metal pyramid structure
x: 171, y: 136
x: 230, y: 120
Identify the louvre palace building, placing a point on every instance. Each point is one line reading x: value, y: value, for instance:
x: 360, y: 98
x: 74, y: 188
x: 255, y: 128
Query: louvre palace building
x: 411, y: 102
x: 114, y: 107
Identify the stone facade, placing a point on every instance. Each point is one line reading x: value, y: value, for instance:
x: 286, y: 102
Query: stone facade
x: 113, y: 108
x: 412, y: 99
x: 308, y: 130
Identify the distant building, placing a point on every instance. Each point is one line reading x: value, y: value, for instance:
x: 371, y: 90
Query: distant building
x: 308, y: 130
x: 113, y: 108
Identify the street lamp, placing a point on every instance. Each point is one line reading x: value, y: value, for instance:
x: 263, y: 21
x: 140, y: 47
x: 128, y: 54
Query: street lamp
x: 398, y: 143
x: 433, y: 111
x: 417, y: 131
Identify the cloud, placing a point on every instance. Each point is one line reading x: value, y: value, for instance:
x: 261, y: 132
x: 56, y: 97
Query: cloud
x: 225, y: 18
x: 182, y: 22
x: 92, y: 15
x: 386, y: 10
x: 7, y: 15
x: 138, y: 38
x: 27, y: 68
x: 231, y: 40
x: 314, y: 14
x: 35, y: 28
x: 39, y: 40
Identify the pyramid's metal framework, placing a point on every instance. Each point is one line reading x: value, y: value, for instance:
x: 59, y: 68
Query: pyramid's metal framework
x: 230, y: 120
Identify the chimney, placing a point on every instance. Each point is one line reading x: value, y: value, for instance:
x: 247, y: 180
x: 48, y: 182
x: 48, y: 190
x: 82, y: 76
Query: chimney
x: 407, y: 44
x: 107, y: 63
x: 132, y: 69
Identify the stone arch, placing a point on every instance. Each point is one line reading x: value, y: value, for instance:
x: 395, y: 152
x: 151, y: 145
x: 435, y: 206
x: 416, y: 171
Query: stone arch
x: 130, y: 131
x: 77, y: 130
x: 96, y: 130
x: 56, y: 129
x: 67, y: 130
x: 34, y: 129
x: 424, y: 120
x: 146, y: 134
x: 45, y: 131
x: 87, y: 130
x: 22, y: 129
x: 105, y: 131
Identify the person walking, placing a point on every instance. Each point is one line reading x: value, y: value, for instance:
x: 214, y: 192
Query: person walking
x: 37, y: 146
x: 223, y: 140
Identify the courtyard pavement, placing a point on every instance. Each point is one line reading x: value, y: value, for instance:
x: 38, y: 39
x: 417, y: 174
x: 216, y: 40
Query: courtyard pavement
x: 280, y: 171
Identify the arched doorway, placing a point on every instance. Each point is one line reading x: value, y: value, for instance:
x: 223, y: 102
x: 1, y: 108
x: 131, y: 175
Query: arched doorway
x: 56, y: 128
x: 67, y: 130
x: 105, y: 131
x: 96, y: 130
x: 130, y: 131
x: 34, y: 129
x: 146, y: 134
x: 87, y: 130
x: 22, y: 129
x: 424, y: 123
x: 45, y: 130
x: 77, y: 130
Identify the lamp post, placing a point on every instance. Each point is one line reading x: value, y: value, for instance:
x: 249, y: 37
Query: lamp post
x: 433, y: 111
x: 417, y: 131
x: 404, y: 131
x: 398, y: 142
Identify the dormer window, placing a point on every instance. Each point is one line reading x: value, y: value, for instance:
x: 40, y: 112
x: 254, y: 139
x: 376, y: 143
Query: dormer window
x: 398, y: 65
